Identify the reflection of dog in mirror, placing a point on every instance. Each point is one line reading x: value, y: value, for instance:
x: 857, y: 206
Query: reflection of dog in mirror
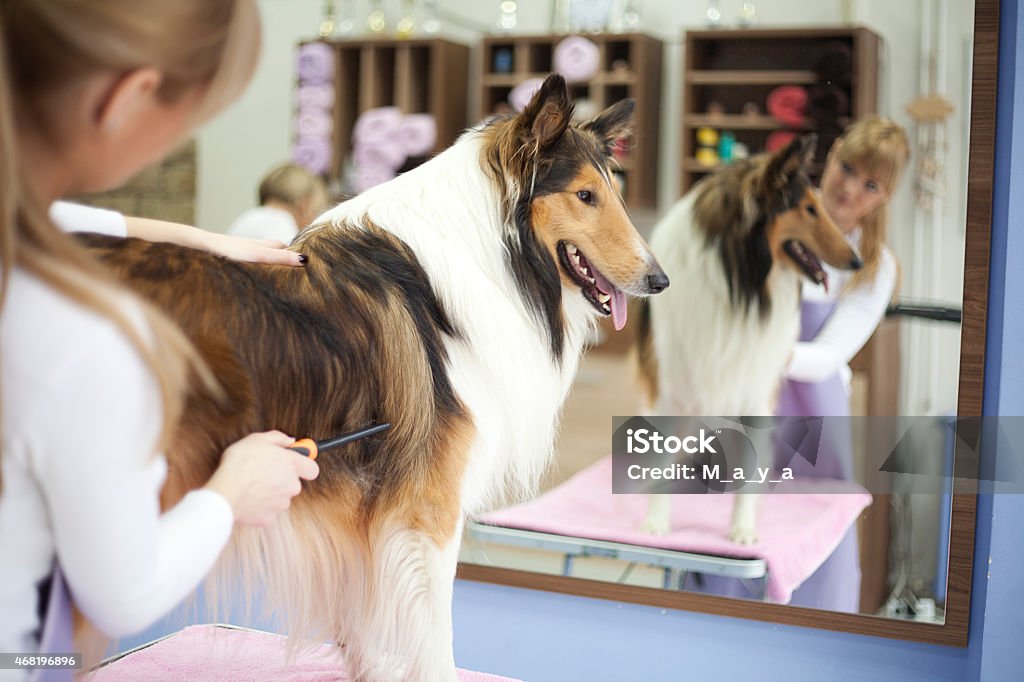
x: 717, y: 343
x: 452, y: 302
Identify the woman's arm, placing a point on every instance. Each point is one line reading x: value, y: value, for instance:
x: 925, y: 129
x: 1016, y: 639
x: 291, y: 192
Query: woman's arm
x: 855, y: 318
x: 72, y: 217
x: 126, y: 563
x: 229, y: 246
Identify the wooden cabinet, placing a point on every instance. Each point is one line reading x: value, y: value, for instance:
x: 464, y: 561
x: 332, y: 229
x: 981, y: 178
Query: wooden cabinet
x: 428, y: 76
x: 729, y: 74
x: 630, y: 66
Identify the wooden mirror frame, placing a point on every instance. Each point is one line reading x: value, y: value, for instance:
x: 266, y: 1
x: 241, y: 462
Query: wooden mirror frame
x: 953, y: 632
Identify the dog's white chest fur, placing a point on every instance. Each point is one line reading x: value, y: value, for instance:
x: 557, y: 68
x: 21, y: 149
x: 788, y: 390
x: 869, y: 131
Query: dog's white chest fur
x: 715, y: 358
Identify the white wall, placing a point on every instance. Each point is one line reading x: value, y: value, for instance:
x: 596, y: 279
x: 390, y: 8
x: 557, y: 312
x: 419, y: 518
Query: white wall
x: 238, y: 147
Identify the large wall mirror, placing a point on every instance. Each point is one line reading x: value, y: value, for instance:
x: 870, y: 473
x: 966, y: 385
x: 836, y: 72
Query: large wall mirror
x: 915, y: 551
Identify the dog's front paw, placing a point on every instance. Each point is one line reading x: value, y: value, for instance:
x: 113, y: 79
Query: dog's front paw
x: 657, y: 525
x: 743, y: 535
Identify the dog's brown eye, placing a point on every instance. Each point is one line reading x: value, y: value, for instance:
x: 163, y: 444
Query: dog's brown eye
x: 811, y: 210
x: 585, y: 196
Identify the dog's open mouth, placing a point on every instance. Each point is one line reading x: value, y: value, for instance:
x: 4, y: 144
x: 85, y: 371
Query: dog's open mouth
x: 601, y: 293
x: 807, y: 261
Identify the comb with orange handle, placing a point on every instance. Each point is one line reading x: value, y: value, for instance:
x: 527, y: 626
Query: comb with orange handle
x: 311, y: 448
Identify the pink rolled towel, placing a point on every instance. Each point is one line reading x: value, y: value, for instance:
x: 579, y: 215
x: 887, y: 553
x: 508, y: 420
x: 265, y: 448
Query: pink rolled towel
x: 371, y: 176
x: 577, y: 59
x: 377, y: 125
x: 417, y: 134
x: 315, y: 64
x: 788, y: 104
x: 314, y: 123
x: 523, y: 93
x: 387, y: 153
x: 316, y: 97
x: 312, y: 153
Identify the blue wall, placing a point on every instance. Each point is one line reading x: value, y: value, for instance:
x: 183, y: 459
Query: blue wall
x: 546, y: 637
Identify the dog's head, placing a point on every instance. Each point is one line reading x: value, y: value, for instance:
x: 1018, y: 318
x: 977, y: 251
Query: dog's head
x: 765, y: 211
x: 567, y: 222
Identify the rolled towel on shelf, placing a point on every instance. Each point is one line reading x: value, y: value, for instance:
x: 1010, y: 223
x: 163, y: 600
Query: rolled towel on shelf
x: 314, y: 123
x: 788, y: 104
x: 320, y: 96
x: 387, y: 153
x: 417, y: 134
x: 371, y: 176
x: 315, y: 64
x: 521, y: 95
x: 577, y: 59
x: 377, y: 125
x: 312, y: 153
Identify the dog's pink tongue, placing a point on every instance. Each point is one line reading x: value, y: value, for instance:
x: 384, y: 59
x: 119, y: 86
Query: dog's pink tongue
x: 618, y: 302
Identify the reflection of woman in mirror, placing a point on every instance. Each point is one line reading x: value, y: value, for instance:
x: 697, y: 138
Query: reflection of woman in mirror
x: 861, y: 174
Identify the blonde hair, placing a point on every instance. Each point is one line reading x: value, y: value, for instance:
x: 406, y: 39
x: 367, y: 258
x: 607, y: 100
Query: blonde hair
x: 291, y: 184
x: 45, y: 47
x: 879, y: 146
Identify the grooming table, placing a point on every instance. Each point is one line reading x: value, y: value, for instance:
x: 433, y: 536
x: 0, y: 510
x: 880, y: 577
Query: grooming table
x: 229, y: 653
x: 800, y: 523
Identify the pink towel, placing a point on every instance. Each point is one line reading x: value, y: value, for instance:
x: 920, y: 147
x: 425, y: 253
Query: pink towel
x: 315, y: 97
x: 371, y: 176
x: 377, y: 125
x: 576, y: 58
x: 213, y: 653
x: 523, y: 93
x: 387, y: 154
x: 797, y: 531
x: 788, y: 104
x: 312, y: 153
x: 417, y: 134
x: 314, y: 123
x: 315, y: 64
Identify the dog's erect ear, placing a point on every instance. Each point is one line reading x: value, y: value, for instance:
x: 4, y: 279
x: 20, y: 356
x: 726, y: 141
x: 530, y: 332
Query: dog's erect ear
x: 613, y: 123
x: 547, y: 116
x: 797, y: 155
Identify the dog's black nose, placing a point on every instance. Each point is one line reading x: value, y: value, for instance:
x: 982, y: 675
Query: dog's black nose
x: 657, y: 282
x: 856, y: 263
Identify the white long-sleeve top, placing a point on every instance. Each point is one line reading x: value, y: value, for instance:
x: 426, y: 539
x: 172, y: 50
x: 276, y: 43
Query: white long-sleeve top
x: 81, y: 479
x: 858, y: 312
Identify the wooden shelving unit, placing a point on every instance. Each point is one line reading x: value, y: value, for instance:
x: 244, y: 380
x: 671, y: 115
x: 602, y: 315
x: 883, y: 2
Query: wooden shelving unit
x: 734, y: 67
x: 425, y: 76
x: 630, y: 67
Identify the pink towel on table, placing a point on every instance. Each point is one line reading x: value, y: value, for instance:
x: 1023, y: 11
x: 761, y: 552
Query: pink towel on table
x: 315, y: 64
x: 312, y: 153
x: 798, y: 529
x: 315, y: 97
x: 576, y: 58
x: 212, y: 653
x: 417, y: 134
x: 377, y: 125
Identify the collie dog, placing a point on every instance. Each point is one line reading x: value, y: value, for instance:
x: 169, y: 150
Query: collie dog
x: 452, y: 302
x: 717, y: 344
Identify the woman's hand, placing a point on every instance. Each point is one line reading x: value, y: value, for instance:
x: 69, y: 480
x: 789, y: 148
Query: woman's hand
x: 259, y: 476
x: 229, y: 246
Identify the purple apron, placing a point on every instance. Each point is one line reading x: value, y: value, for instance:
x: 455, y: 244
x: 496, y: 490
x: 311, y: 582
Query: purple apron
x: 835, y: 586
x: 56, y: 637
